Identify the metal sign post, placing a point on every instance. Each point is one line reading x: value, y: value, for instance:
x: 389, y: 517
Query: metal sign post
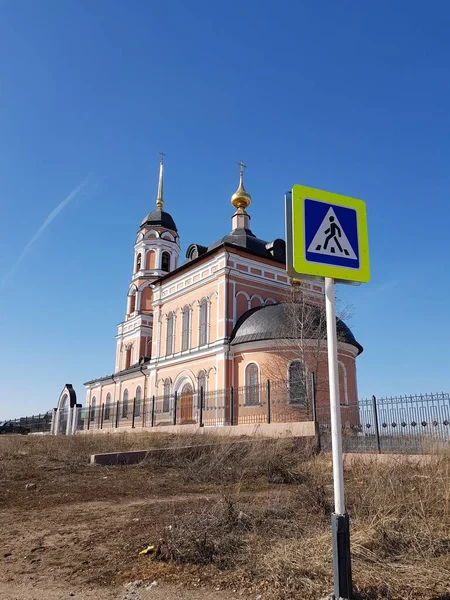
x: 326, y: 238
x: 342, y: 570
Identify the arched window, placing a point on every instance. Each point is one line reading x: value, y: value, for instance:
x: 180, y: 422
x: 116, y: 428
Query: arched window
x: 343, y: 389
x: 138, y: 262
x: 297, y: 383
x: 93, y: 409
x: 165, y: 262
x: 128, y: 356
x: 107, y: 414
x: 132, y: 302
x: 170, y: 333
x: 202, y: 385
x: 137, y: 403
x: 251, y: 385
x: 186, y: 328
x: 166, y: 396
x: 203, y: 333
x: 125, y: 404
x: 150, y: 259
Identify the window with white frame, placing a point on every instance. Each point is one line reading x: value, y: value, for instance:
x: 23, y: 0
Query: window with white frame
x: 166, y: 396
x: 297, y: 383
x: 170, y: 333
x: 137, y: 401
x: 186, y: 328
x: 165, y: 262
x: 201, y: 386
x: 125, y: 404
x: 107, y: 414
x: 203, y: 329
x: 93, y: 409
x: 251, y: 385
x: 138, y: 262
x: 343, y: 389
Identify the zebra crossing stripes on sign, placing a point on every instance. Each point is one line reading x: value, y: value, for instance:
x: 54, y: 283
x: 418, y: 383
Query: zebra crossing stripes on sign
x: 330, y: 238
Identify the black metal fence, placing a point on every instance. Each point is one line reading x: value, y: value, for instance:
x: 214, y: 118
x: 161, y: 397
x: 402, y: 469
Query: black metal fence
x: 411, y: 424
x: 36, y: 423
x: 268, y: 403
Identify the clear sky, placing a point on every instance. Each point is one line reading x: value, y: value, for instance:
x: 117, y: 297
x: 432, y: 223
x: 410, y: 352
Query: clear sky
x: 351, y: 97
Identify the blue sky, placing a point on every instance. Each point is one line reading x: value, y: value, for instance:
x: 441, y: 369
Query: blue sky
x: 351, y: 97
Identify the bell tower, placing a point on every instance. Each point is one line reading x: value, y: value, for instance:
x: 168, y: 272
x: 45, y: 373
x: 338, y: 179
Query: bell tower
x: 156, y: 253
x: 157, y: 247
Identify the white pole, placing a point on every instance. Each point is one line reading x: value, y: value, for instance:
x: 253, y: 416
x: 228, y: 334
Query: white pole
x: 335, y: 410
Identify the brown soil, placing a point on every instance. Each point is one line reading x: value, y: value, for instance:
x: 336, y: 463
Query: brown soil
x: 78, y: 529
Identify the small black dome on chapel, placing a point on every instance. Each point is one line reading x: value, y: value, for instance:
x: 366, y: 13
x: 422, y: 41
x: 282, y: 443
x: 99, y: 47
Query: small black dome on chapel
x: 159, y: 218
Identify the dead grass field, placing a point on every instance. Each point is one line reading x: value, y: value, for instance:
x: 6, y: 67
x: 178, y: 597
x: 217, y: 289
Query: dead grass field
x: 248, y: 518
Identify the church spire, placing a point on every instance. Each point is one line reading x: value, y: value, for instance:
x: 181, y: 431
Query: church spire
x: 160, y: 197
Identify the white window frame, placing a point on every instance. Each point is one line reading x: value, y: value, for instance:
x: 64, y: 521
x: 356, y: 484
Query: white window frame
x: 258, y: 386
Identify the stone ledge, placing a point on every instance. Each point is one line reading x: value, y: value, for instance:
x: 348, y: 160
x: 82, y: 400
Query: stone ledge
x: 262, y: 432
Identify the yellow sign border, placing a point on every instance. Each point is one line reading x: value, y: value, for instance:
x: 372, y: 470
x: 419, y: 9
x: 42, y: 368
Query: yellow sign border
x: 306, y: 267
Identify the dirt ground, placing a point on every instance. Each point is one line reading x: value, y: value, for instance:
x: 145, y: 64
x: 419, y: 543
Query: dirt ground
x: 62, y: 590
x: 75, y: 530
x: 72, y: 530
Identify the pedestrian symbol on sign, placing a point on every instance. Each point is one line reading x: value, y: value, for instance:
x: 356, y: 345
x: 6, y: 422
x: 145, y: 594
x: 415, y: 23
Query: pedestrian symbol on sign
x: 330, y: 238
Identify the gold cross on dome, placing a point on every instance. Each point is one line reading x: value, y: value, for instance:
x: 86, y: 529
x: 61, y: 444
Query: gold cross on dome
x: 241, y: 166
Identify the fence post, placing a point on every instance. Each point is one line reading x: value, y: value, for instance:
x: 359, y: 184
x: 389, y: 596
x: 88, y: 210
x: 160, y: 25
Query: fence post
x: 231, y: 405
x: 268, y: 401
x: 89, y: 412
x: 102, y: 416
x: 143, y: 412
x: 202, y: 396
x: 117, y: 414
x: 153, y: 411
x: 313, y: 403
x: 134, y: 410
x: 175, y: 401
x: 375, y: 420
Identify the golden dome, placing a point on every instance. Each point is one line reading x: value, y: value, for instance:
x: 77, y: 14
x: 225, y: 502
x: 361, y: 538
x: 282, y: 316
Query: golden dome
x: 241, y: 199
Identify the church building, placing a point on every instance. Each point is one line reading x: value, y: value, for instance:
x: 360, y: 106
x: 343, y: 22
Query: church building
x: 222, y: 318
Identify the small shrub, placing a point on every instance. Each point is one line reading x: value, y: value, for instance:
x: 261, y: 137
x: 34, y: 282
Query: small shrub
x: 210, y: 536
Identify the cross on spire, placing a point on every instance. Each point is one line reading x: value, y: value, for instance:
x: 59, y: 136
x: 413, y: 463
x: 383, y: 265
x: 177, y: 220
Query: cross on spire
x: 162, y: 155
x: 241, y: 166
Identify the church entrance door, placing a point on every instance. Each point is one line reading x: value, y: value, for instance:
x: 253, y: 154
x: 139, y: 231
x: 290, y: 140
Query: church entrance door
x: 186, y: 403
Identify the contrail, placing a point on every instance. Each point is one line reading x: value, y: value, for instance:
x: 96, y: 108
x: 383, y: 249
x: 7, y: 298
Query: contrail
x: 55, y: 212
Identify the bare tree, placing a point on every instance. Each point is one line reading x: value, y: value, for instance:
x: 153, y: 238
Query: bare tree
x: 301, y: 341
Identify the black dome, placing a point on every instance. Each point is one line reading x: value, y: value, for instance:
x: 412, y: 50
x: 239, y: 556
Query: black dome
x: 159, y: 218
x: 277, y: 321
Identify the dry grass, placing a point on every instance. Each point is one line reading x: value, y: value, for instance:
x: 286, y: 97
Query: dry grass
x: 252, y: 514
x: 400, y: 519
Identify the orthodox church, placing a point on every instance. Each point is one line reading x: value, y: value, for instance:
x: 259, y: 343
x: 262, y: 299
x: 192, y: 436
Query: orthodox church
x: 219, y: 319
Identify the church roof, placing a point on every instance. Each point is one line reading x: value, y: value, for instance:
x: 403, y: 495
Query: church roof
x: 277, y: 321
x: 244, y: 238
x: 159, y: 218
x: 131, y: 369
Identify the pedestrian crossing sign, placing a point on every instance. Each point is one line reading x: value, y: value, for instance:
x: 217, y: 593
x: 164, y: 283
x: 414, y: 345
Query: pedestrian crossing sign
x: 329, y: 235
